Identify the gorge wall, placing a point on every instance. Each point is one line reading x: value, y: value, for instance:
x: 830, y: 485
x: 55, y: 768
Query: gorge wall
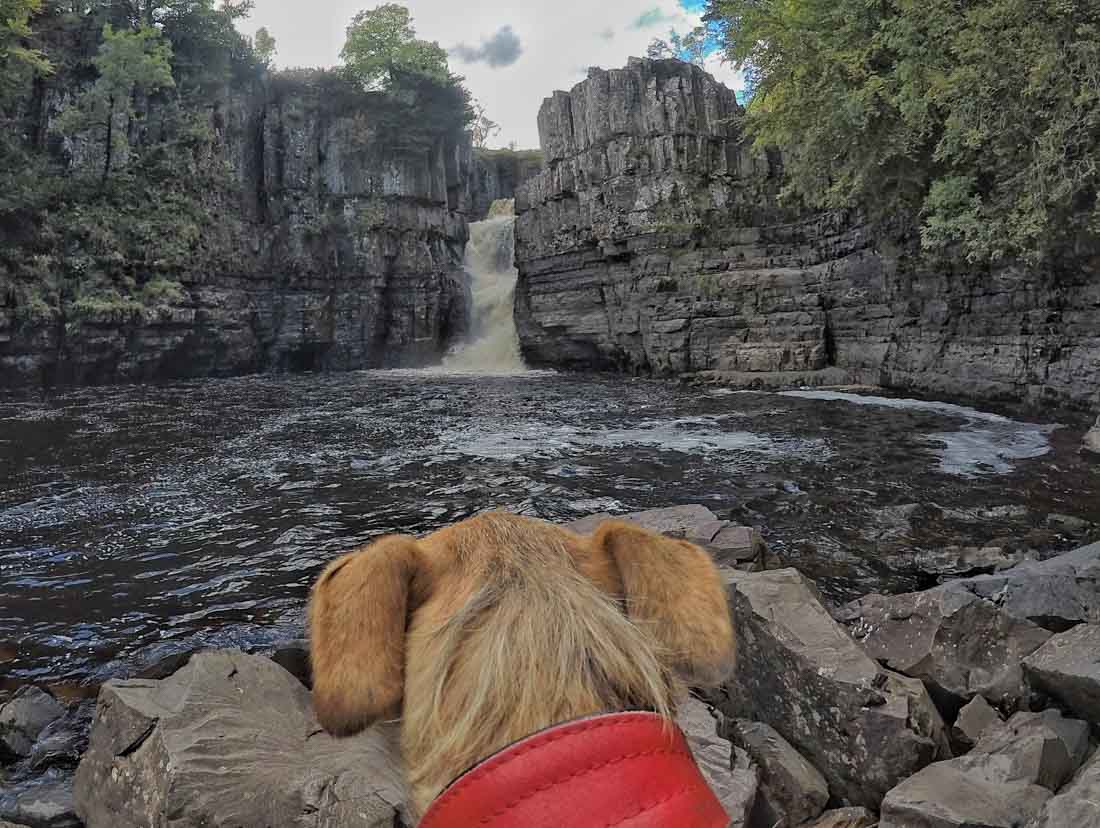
x: 498, y: 174
x: 337, y: 243
x: 653, y: 243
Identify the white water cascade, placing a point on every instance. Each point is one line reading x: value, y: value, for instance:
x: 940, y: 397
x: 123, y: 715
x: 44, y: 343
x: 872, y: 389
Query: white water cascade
x: 493, y: 346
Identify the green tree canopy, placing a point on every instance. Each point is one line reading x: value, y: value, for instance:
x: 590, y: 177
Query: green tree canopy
x: 265, y: 47
x: 16, y: 59
x: 980, y: 120
x: 128, y: 61
x: 382, y: 46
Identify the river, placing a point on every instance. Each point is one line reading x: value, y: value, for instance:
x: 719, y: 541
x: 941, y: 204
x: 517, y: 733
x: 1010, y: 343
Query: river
x: 136, y: 522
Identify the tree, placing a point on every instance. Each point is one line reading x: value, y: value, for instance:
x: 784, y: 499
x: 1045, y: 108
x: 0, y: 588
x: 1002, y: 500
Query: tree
x: 265, y: 47
x: 382, y: 46
x: 691, y: 47
x: 979, y: 122
x: 483, y: 127
x: 128, y: 61
x: 17, y: 59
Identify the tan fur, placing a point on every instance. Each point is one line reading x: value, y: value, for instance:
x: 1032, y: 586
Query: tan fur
x: 491, y: 630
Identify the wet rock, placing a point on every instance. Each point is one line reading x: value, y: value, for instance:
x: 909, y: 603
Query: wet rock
x: 62, y: 742
x: 959, y: 644
x: 864, y: 728
x: 730, y: 772
x: 974, y: 720
x: 24, y: 717
x: 1092, y: 440
x: 1004, y: 782
x: 1078, y: 804
x: 845, y: 818
x: 792, y: 790
x: 293, y: 656
x: 46, y: 804
x: 740, y: 547
x: 230, y: 740
x: 1069, y: 525
x: 1068, y: 668
x: 955, y: 561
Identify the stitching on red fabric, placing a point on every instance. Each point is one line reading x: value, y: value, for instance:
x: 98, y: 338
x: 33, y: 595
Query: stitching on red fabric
x: 649, y: 807
x: 459, y: 787
x: 577, y: 774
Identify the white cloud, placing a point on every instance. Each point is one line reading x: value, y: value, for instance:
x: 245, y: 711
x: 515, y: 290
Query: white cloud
x: 558, y: 39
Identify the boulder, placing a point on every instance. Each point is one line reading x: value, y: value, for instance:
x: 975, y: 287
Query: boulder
x: 959, y: 644
x: 47, y: 803
x: 1068, y: 668
x: 792, y: 790
x: 24, y: 717
x: 1057, y: 594
x: 729, y: 770
x: 293, y: 656
x: 955, y: 561
x: 863, y: 727
x: 973, y: 721
x: 738, y: 547
x: 1078, y: 805
x: 845, y: 818
x: 1092, y: 440
x: 62, y: 742
x: 1004, y: 782
x: 230, y: 741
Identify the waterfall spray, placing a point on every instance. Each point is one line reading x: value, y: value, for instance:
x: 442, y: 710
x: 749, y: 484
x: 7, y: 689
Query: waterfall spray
x: 493, y: 346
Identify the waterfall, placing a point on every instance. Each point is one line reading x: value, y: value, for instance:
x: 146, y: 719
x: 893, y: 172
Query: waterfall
x: 493, y: 346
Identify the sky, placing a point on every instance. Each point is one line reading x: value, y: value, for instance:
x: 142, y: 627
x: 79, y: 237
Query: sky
x: 513, y: 53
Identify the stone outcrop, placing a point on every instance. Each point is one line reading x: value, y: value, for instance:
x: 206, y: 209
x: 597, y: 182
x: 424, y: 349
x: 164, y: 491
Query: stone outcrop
x: 1004, y: 782
x: 863, y: 727
x: 974, y: 720
x: 1068, y: 669
x: 960, y: 644
x: 653, y: 243
x: 498, y: 174
x: 337, y: 248
x: 230, y: 740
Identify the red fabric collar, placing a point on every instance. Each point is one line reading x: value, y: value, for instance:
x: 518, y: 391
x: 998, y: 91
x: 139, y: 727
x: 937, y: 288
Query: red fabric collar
x: 626, y: 770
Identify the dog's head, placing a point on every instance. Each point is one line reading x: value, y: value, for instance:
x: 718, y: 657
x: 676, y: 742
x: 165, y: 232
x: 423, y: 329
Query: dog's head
x: 414, y: 622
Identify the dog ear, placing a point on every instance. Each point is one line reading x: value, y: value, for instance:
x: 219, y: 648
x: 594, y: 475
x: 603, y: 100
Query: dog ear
x: 673, y: 589
x: 357, y: 618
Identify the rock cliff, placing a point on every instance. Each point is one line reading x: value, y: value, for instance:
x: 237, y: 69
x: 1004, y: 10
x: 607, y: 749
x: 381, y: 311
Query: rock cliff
x: 653, y: 242
x: 498, y: 174
x: 338, y: 244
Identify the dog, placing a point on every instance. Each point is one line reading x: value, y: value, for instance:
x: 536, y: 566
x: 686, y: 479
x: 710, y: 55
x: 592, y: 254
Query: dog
x: 499, y: 627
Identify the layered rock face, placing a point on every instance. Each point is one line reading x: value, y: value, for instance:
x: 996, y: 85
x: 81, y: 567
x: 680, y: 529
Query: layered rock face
x: 342, y: 249
x: 653, y: 243
x: 498, y: 174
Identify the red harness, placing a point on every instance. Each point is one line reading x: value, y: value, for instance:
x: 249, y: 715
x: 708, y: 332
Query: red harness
x: 626, y: 770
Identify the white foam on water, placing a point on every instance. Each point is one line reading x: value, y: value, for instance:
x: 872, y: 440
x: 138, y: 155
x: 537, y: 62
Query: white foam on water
x: 985, y: 444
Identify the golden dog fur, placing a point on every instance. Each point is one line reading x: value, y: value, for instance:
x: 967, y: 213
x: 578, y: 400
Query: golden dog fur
x: 501, y: 626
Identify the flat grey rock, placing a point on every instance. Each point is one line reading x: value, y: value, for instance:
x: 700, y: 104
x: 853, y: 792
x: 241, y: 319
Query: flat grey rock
x: 230, y: 741
x: 974, y: 720
x: 1003, y: 783
x: 1068, y: 668
x: 46, y: 804
x: 1078, y: 805
x: 960, y: 644
x: 864, y: 728
x: 731, y: 774
x: 792, y: 790
x: 1091, y: 443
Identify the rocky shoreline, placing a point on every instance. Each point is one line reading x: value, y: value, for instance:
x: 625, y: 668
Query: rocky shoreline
x: 973, y: 703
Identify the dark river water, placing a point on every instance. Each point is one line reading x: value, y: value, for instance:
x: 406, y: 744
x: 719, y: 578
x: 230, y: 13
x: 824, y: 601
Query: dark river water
x: 136, y: 522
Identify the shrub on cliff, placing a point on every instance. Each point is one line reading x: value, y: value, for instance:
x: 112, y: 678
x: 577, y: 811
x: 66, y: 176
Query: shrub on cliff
x: 980, y: 120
